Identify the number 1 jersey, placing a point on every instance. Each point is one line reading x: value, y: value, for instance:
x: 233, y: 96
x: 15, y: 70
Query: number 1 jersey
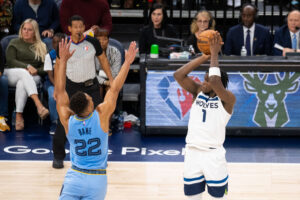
x: 88, y: 142
x: 207, y: 123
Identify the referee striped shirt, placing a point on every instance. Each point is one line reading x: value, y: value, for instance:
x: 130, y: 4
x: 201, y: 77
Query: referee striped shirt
x: 81, y: 66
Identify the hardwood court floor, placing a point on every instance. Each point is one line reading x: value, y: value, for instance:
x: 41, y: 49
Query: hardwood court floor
x: 37, y: 180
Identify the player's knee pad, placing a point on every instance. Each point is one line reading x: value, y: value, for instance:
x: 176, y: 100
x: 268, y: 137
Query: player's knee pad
x: 195, y: 197
x: 194, y: 186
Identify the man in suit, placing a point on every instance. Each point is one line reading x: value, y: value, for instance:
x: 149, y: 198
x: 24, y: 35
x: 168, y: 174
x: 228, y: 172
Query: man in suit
x: 255, y: 37
x: 287, y: 37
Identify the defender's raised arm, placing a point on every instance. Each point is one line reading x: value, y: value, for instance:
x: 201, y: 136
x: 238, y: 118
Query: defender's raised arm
x: 113, y: 92
x: 62, y: 98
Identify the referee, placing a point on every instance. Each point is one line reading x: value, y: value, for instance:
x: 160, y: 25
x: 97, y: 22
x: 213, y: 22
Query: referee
x: 81, y: 76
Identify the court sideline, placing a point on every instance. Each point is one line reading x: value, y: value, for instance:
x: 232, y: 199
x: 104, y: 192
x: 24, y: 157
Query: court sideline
x: 151, y: 168
x: 29, y: 180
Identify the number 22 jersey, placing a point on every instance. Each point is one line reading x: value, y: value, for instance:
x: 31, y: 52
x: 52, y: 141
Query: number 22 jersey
x: 88, y: 142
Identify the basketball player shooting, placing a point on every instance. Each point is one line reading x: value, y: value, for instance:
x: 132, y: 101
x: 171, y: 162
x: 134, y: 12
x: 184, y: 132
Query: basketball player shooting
x: 205, y: 162
x: 87, y: 130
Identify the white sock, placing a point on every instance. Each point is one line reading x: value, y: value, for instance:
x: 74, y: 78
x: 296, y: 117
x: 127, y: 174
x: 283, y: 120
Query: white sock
x: 195, y: 197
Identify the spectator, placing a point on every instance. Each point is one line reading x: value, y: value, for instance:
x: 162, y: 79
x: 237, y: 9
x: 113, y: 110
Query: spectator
x: 95, y: 13
x: 25, y: 56
x: 113, y: 56
x: 202, y: 21
x: 287, y: 37
x: 45, y: 12
x: 158, y: 26
x: 81, y: 76
x: 49, y: 82
x: 3, y: 96
x: 6, y: 16
x: 255, y: 37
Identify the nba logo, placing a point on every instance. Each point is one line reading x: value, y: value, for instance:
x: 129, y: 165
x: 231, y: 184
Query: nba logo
x: 86, y: 48
x: 176, y: 98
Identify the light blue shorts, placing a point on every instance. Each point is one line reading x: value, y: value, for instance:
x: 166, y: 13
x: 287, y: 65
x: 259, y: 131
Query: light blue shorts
x: 84, y: 185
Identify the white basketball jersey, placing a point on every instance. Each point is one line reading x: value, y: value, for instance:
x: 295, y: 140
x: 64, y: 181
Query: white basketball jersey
x: 207, y: 123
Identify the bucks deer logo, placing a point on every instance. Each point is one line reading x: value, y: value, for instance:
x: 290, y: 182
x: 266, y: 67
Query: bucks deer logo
x: 271, y: 109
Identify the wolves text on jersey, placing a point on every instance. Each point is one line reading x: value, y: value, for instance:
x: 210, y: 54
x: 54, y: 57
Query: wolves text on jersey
x: 204, y: 104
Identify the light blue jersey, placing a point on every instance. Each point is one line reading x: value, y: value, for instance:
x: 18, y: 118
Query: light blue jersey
x: 86, y: 179
x: 88, y: 142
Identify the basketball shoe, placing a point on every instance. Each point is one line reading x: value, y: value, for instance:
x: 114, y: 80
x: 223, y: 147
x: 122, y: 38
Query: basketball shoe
x: 3, y: 126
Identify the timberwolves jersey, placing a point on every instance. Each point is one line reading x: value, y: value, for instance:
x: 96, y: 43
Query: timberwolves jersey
x: 88, y: 142
x: 207, y: 123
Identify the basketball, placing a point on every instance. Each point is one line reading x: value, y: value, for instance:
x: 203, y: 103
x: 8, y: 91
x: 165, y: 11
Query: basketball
x: 203, y: 41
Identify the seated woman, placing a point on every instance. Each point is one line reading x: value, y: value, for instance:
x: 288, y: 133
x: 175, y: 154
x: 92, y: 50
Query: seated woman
x: 202, y: 21
x: 158, y: 26
x: 113, y: 56
x: 25, y: 57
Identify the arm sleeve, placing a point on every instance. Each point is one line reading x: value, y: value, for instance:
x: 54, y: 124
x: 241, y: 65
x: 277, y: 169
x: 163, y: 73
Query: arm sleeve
x: 11, y: 58
x: 40, y: 69
x: 116, y: 60
x: 65, y: 14
x: 48, y: 63
x: 96, y: 45
x: 106, y: 20
x: 54, y: 17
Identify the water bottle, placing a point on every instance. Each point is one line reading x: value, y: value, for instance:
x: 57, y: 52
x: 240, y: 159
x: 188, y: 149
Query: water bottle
x: 121, y: 122
x: 243, y: 51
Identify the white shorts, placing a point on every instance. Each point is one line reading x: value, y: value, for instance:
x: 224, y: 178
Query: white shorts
x: 205, y: 168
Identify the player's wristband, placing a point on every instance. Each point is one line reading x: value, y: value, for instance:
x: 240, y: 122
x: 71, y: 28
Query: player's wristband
x: 214, y: 71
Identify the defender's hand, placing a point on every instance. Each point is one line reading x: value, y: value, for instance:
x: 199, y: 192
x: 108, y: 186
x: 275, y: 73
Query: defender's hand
x: 64, y: 50
x: 131, y: 52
